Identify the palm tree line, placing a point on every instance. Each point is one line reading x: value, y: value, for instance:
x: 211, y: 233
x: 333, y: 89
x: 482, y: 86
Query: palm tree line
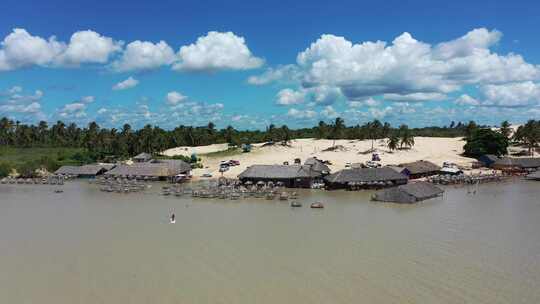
x: 126, y: 141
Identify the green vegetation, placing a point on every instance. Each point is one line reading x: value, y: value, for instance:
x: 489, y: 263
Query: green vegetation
x: 53, y: 145
x: 19, y: 155
x: 26, y: 160
x: 485, y: 141
x: 528, y: 134
x: 406, y: 137
x: 229, y: 152
x: 393, y: 141
x: 5, y: 169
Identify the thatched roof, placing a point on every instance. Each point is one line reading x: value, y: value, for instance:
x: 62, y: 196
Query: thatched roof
x: 522, y: 162
x: 317, y: 165
x: 175, y: 165
x: 420, y: 167
x: 490, y: 157
x: 68, y: 170
x: 94, y: 169
x: 278, y: 172
x: 534, y: 176
x: 143, y: 157
x: 365, y: 175
x: 409, y: 193
x: 145, y: 169
x: 396, y: 168
x: 156, y: 168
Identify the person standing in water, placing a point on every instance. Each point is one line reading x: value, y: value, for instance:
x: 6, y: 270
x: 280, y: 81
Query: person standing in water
x: 173, y: 218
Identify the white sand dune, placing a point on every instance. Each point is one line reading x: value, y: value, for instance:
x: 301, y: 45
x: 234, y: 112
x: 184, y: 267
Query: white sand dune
x: 188, y: 151
x: 436, y: 150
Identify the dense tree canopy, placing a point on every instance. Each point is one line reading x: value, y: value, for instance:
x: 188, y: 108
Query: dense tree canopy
x: 528, y: 134
x: 485, y: 141
x: 127, y: 141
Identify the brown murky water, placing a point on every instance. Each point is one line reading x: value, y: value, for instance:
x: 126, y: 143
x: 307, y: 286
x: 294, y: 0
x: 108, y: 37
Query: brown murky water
x: 85, y: 246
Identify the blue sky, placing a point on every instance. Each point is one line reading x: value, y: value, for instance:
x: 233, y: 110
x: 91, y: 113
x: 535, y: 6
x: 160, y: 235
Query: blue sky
x: 255, y: 63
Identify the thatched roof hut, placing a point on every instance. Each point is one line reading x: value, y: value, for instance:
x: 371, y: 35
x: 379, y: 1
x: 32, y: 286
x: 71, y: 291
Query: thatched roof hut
x: 85, y: 170
x: 421, y: 168
x: 290, y: 176
x: 142, y: 157
x: 317, y: 165
x: 516, y: 163
x: 488, y: 159
x: 380, y: 176
x: 408, y: 194
x: 160, y: 169
x: 175, y: 165
x: 68, y: 170
x: 534, y: 176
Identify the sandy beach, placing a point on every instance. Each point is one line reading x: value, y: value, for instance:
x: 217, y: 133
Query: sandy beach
x: 434, y: 149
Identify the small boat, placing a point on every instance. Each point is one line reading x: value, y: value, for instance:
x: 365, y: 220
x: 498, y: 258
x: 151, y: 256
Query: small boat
x: 317, y: 205
x: 58, y: 191
x: 296, y: 204
x: 284, y: 196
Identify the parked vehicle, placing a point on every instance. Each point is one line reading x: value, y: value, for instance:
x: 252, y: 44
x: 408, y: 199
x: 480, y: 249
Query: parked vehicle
x: 207, y: 175
x: 372, y: 164
x: 234, y: 162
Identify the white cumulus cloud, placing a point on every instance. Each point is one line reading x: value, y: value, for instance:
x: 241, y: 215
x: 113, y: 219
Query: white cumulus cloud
x: 88, y: 47
x: 21, y: 49
x: 415, y: 97
x: 73, y: 110
x: 144, y: 55
x: 510, y: 95
x: 329, y: 112
x: 217, y: 51
x: 301, y: 114
x: 126, y: 84
x: 87, y: 99
x: 287, y: 97
x: 174, y: 98
x: 405, y: 70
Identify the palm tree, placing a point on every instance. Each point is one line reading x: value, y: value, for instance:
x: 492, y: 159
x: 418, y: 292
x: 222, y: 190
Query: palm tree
x: 321, y: 130
x: 393, y: 141
x: 505, y: 129
x: 374, y: 130
x: 470, y: 128
x: 406, y: 136
x: 286, y: 135
x: 529, y: 134
x: 337, y: 129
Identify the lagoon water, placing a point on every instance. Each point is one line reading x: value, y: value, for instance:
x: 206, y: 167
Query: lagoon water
x: 85, y: 246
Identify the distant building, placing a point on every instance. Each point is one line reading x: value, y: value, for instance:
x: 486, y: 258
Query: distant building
x: 317, y: 165
x: 420, y: 169
x: 153, y: 169
x: 408, y: 194
x: 92, y: 170
x: 517, y: 163
x: 294, y: 176
x: 534, y: 176
x: 142, y: 158
x: 488, y: 159
x: 360, y: 178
